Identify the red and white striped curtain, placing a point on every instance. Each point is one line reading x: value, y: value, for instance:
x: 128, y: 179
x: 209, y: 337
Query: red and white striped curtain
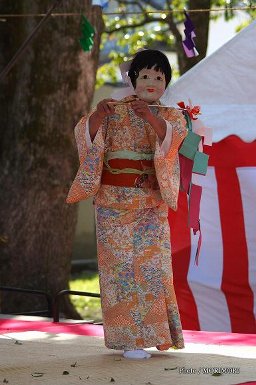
x: 220, y: 293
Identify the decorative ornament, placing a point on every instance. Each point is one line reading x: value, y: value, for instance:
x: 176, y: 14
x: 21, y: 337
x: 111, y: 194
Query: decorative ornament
x: 86, y: 41
x: 192, y: 160
x: 188, y: 43
x: 192, y: 111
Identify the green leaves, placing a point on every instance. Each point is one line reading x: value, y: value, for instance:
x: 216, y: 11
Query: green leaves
x: 129, y: 32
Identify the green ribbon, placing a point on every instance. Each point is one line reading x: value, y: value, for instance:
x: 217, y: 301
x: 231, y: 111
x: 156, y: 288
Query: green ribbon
x: 127, y: 154
x: 88, y: 33
x: 131, y: 155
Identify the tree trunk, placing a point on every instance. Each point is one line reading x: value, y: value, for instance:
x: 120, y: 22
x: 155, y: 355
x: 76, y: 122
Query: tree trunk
x: 41, y: 99
x: 201, y: 22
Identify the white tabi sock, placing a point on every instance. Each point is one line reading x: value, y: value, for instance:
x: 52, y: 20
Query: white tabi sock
x: 138, y: 354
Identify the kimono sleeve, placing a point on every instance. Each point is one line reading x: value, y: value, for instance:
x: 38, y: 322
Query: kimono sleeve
x: 167, y: 164
x: 88, y: 177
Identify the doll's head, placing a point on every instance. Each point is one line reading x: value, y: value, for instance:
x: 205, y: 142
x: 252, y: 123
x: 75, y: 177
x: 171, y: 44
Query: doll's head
x: 150, y: 73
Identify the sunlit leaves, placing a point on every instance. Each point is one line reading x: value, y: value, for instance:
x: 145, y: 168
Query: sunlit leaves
x: 131, y: 32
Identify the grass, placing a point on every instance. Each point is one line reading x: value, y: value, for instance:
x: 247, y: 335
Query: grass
x: 88, y: 307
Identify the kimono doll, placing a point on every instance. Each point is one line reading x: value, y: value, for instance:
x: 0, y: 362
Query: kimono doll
x: 128, y: 152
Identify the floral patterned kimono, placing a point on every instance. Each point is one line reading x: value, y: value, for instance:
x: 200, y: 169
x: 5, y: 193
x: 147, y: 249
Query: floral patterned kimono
x: 133, y: 238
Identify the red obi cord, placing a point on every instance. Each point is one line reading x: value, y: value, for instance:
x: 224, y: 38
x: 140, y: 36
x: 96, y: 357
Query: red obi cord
x: 126, y: 179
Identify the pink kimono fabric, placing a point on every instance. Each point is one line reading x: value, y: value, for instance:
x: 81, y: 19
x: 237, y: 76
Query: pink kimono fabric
x: 133, y: 238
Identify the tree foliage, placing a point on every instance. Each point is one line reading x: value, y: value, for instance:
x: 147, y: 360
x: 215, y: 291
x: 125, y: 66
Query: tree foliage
x: 135, y: 28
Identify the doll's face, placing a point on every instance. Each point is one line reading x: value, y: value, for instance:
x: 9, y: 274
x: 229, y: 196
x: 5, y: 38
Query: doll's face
x: 150, y: 85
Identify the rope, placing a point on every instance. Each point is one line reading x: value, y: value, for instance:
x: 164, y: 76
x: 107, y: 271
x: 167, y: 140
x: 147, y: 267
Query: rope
x: 6, y: 16
x: 23, y: 47
x: 45, y: 16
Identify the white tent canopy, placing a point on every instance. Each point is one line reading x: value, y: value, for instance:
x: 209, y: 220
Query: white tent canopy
x: 220, y: 293
x: 224, y: 85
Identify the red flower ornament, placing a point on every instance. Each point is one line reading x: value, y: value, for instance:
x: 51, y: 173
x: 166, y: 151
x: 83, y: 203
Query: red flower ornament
x: 192, y: 111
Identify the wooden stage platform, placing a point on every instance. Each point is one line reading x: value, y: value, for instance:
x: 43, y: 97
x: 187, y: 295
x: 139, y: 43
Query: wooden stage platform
x: 70, y: 353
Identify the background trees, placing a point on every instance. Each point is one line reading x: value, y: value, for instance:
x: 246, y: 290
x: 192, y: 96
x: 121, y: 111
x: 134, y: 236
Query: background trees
x: 43, y: 96
x: 132, y: 31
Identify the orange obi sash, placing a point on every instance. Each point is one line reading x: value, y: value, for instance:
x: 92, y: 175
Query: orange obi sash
x: 126, y: 172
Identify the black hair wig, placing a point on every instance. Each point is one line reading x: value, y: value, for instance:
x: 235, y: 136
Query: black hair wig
x: 150, y: 58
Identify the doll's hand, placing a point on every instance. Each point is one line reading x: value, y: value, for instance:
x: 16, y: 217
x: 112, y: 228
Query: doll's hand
x: 141, y: 109
x: 104, y: 108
